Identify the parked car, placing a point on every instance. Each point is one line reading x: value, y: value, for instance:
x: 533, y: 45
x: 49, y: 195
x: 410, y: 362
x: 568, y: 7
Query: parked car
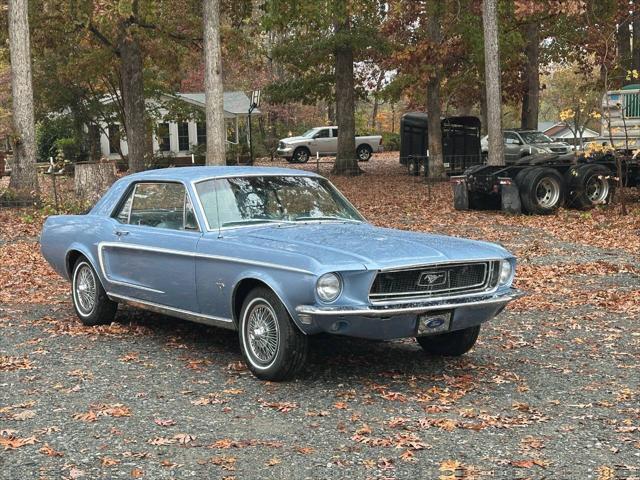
x: 520, y: 143
x: 278, y: 255
x: 323, y: 141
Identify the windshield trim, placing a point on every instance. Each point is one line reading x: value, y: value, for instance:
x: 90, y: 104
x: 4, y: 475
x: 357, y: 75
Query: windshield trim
x: 274, y: 224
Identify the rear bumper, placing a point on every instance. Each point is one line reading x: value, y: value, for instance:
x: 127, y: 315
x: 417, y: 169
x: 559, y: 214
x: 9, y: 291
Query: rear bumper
x: 400, y: 321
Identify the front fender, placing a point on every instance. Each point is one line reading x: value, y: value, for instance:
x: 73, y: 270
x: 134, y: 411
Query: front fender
x: 291, y: 288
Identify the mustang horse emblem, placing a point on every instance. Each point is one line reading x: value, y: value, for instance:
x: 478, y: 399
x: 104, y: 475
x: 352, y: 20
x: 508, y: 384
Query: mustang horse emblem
x: 432, y: 279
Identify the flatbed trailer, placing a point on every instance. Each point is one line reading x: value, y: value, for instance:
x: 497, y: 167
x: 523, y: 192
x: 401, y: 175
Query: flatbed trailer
x: 540, y: 184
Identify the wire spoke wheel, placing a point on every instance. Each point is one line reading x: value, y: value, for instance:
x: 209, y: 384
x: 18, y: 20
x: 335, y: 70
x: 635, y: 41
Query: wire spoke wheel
x: 85, y: 289
x: 262, y: 333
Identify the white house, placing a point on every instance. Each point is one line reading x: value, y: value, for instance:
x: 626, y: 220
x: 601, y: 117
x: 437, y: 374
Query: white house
x: 178, y: 139
x: 563, y: 133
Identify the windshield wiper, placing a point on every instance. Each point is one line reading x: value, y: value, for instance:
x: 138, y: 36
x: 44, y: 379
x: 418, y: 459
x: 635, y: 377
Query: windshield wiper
x: 252, y: 220
x: 327, y: 217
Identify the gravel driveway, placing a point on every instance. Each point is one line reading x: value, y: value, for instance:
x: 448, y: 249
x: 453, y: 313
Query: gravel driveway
x: 551, y: 390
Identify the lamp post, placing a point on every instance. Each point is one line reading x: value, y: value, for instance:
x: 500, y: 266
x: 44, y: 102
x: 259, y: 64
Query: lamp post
x: 253, y: 104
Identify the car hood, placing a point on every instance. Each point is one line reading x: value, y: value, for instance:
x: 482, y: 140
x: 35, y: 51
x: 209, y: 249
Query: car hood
x: 294, y: 139
x: 353, y: 245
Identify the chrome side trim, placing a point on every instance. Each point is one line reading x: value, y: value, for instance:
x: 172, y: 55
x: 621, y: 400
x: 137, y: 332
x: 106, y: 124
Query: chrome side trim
x: 415, y: 308
x: 101, y: 245
x: 174, y: 312
x: 133, y: 246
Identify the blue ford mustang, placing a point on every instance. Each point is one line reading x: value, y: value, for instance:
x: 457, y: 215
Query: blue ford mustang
x: 278, y: 255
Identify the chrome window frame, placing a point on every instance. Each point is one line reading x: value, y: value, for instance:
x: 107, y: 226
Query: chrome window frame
x: 131, y: 190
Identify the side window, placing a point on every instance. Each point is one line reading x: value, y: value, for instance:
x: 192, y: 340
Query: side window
x: 159, y: 205
x: 324, y: 133
x: 207, y: 194
x: 123, y: 215
x: 334, y: 132
x: 510, y: 138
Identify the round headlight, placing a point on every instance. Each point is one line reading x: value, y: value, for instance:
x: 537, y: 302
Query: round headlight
x: 506, y: 271
x: 328, y: 287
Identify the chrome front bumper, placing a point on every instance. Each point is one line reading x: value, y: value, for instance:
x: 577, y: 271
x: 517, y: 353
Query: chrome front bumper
x: 410, y: 308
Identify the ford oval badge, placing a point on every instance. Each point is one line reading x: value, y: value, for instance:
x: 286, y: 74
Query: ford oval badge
x: 435, y: 323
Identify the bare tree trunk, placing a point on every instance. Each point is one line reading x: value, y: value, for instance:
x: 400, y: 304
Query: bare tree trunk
x: 331, y: 111
x: 492, y: 81
x: 132, y: 88
x: 635, y: 57
x: 92, y: 179
x: 346, y: 162
x: 623, y: 41
x: 214, y: 91
x: 531, y: 98
x: 434, y: 109
x: 23, y: 175
x: 376, y: 102
x: 483, y: 110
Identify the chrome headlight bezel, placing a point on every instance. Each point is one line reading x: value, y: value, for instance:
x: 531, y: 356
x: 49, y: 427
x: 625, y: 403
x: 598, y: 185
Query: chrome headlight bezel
x: 329, y: 287
x: 506, y: 273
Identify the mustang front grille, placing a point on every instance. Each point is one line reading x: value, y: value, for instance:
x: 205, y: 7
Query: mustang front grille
x: 435, y: 280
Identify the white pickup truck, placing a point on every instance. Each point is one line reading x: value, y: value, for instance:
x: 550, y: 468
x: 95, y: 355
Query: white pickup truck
x: 323, y: 141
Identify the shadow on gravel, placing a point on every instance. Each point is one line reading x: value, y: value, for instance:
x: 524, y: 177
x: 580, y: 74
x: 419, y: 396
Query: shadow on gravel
x: 341, y: 358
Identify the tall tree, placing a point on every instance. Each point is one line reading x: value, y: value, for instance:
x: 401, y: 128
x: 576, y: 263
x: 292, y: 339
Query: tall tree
x: 434, y: 111
x: 493, y: 83
x: 23, y: 176
x: 346, y: 162
x: 318, y: 44
x: 216, y: 134
x: 531, y: 73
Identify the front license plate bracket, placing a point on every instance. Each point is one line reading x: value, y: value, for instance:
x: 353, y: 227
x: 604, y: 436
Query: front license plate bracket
x: 433, y: 323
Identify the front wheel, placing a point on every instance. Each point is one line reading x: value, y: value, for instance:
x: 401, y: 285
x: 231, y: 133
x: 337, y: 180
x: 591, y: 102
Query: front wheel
x: 451, y: 344
x: 272, y: 345
x: 301, y: 155
x: 90, y: 300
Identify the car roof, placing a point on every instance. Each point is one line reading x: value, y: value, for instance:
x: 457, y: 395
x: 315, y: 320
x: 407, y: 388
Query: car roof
x: 194, y: 174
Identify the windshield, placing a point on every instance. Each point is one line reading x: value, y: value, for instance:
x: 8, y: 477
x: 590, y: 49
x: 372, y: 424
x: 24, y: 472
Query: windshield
x: 535, y: 137
x: 229, y: 202
x: 309, y: 133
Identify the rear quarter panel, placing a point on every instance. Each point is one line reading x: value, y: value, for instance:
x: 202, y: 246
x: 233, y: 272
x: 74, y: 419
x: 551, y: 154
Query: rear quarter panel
x: 62, y: 234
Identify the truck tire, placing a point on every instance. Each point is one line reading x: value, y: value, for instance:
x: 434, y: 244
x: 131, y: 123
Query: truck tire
x: 413, y: 165
x: 542, y: 190
x: 301, y: 155
x: 364, y: 152
x: 589, y: 185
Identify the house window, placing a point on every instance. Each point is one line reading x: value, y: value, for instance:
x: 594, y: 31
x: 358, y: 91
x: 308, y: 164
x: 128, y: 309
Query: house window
x: 183, y: 136
x: 164, y: 142
x: 114, y: 138
x: 202, y: 133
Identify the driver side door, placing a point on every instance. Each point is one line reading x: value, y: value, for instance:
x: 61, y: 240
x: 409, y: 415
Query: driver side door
x: 324, y: 142
x: 150, y: 257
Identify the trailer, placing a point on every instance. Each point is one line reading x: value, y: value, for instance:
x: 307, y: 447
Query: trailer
x: 540, y: 184
x: 461, y: 147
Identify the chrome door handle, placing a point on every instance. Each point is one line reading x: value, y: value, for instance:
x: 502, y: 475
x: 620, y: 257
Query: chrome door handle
x: 120, y: 233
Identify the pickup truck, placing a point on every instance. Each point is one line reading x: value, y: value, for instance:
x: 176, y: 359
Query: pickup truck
x: 323, y: 141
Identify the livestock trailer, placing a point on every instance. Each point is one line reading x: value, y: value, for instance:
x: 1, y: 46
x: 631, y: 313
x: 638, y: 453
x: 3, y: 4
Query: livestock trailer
x: 460, y: 142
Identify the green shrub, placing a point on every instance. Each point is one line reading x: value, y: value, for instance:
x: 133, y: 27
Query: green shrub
x: 391, y: 141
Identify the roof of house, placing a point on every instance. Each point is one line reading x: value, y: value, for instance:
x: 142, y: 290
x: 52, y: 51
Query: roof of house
x: 236, y: 103
x: 194, y: 174
x: 561, y: 129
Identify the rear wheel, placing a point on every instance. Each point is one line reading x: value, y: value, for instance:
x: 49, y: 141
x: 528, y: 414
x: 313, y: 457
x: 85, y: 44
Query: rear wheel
x: 542, y: 190
x: 364, y: 153
x: 589, y: 185
x: 451, y: 344
x: 90, y: 300
x: 272, y: 345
